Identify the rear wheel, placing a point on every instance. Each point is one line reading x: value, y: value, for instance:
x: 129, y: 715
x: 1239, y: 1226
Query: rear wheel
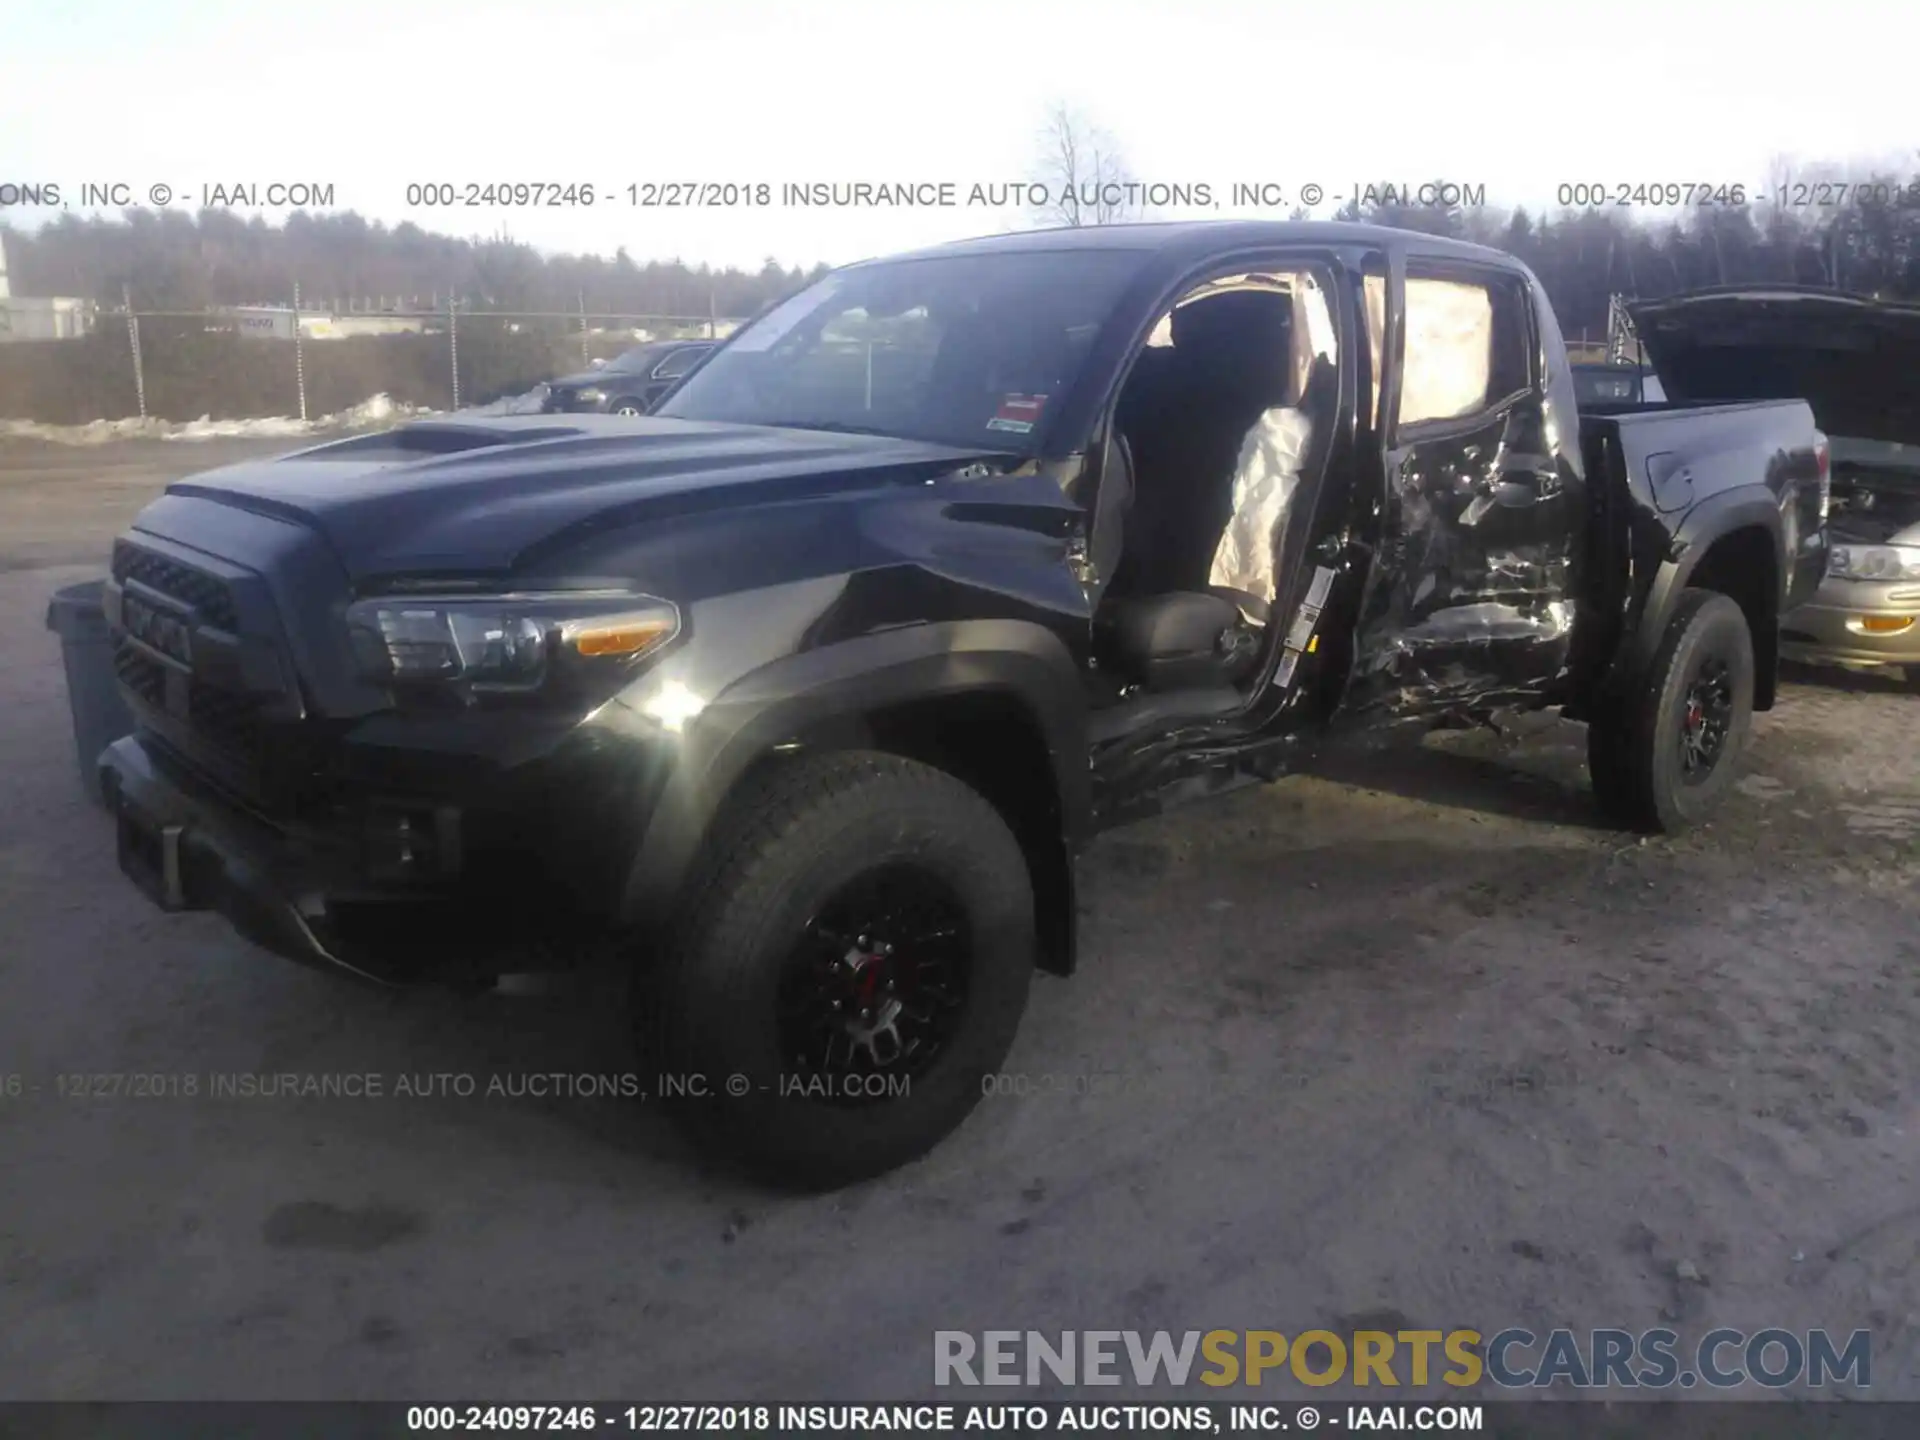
x: 1662, y: 755
x: 853, y: 967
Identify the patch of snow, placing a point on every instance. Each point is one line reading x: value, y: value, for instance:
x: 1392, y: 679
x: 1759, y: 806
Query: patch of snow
x: 373, y: 412
x: 527, y: 404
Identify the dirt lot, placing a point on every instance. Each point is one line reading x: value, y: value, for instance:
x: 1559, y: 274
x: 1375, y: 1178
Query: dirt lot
x: 1411, y: 1043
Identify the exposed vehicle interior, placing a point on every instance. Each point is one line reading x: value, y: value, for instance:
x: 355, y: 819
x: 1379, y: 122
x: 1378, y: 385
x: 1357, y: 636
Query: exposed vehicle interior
x: 1222, y: 423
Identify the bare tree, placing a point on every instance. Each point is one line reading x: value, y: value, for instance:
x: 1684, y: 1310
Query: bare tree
x: 1086, y: 179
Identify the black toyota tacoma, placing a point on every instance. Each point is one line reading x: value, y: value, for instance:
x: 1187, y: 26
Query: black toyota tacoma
x: 798, y: 697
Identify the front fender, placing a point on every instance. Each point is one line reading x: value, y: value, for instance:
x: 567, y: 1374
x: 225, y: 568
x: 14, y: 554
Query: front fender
x: 824, y: 695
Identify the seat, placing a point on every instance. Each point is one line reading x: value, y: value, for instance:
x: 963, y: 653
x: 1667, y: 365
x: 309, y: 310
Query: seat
x: 1189, y: 640
x: 1187, y: 415
x: 1183, y: 640
x: 1163, y: 625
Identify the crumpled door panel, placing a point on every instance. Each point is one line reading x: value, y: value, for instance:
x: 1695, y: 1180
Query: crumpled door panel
x: 1469, y: 601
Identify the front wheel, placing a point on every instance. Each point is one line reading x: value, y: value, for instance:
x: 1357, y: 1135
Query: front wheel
x: 850, y: 972
x: 1662, y: 755
x: 626, y: 407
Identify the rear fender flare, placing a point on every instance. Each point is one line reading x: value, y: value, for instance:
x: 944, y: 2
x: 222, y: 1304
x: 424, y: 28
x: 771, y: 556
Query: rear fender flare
x: 1718, y: 515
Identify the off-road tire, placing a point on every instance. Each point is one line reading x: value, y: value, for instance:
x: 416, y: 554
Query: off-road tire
x: 1634, y: 741
x: 707, y: 1009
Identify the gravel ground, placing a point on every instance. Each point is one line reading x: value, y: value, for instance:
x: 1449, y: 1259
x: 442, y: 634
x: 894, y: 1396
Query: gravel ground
x: 1410, y: 1042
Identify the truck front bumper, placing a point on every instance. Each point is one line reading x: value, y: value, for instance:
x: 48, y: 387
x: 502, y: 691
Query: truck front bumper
x: 310, y: 894
x: 1855, y: 622
x: 188, y: 848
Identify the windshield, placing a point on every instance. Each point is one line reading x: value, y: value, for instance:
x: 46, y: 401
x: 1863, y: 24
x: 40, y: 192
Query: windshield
x: 963, y: 350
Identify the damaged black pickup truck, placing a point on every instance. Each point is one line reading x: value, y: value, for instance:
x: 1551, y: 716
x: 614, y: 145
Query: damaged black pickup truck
x: 799, y: 695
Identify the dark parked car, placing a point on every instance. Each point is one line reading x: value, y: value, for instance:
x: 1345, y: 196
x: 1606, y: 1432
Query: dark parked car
x: 1857, y: 362
x: 629, y: 384
x: 798, y: 697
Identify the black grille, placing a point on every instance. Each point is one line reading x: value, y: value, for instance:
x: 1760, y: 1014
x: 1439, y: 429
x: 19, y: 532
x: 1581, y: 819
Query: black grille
x: 226, y: 721
x: 206, y: 593
x: 230, y: 722
x: 145, y: 677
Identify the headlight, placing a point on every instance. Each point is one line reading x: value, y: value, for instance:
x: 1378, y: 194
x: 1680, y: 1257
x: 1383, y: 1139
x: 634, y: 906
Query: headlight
x: 590, y: 395
x: 1874, y: 562
x: 506, y: 644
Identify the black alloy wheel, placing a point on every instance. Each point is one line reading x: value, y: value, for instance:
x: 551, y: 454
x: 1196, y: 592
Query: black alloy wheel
x: 848, y: 970
x: 1706, y: 720
x: 1663, y: 750
x: 876, y: 983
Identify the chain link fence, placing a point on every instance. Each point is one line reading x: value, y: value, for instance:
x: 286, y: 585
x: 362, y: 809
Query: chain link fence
x: 257, y: 362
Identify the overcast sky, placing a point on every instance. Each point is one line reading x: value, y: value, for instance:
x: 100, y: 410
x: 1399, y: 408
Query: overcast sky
x: 1520, y: 98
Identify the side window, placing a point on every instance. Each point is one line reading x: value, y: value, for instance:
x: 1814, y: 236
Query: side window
x: 1467, y: 347
x: 678, y: 363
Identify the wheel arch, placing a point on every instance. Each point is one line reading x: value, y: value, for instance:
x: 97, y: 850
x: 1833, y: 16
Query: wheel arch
x: 1732, y: 544
x: 997, y: 704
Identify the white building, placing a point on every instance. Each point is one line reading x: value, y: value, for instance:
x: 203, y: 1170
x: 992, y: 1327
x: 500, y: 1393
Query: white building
x: 275, y: 322
x: 40, y: 317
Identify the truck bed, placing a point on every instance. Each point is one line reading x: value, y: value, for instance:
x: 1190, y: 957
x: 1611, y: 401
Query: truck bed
x: 1651, y: 466
x: 1673, y: 456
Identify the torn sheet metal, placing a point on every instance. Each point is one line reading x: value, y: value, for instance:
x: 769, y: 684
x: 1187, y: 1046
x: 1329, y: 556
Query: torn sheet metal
x: 1471, y: 600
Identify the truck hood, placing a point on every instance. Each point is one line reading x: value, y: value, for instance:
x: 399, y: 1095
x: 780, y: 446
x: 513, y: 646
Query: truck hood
x: 478, y: 495
x: 1854, y: 359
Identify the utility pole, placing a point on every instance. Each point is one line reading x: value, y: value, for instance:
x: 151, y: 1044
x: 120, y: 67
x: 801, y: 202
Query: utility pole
x: 133, y: 339
x: 453, y: 343
x: 299, y: 355
x: 583, y: 330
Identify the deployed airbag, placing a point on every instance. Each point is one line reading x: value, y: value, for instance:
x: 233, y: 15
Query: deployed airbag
x: 1264, y: 480
x: 1272, y: 456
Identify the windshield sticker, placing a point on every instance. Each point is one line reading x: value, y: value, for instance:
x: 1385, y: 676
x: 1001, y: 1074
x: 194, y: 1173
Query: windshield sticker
x: 1017, y: 413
